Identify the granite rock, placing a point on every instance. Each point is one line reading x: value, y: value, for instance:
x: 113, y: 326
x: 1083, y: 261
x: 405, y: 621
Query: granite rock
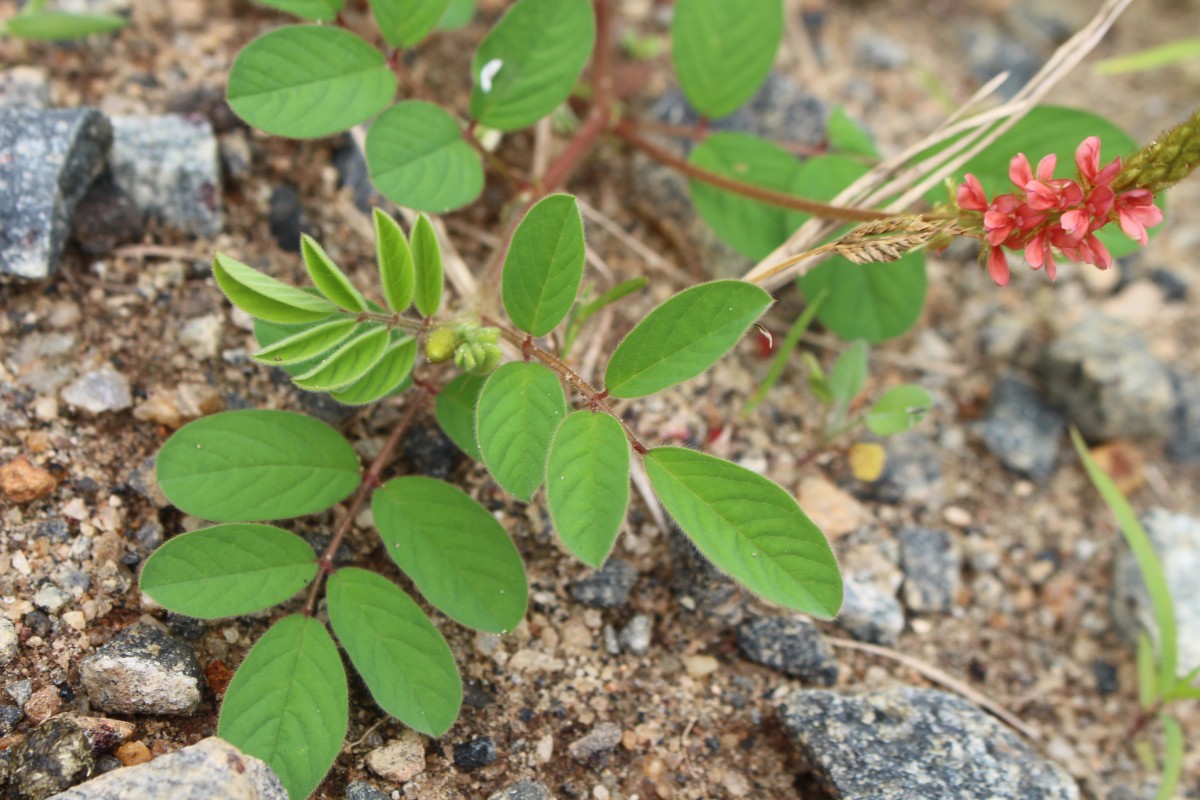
x: 1021, y: 429
x: 56, y: 756
x: 792, y: 645
x: 869, y: 614
x: 932, y: 564
x: 607, y: 588
x: 143, y: 670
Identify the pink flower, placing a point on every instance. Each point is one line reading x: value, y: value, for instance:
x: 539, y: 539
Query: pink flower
x: 1135, y: 211
x: 971, y: 195
x: 998, y: 266
x: 1087, y: 159
x: 1038, y: 253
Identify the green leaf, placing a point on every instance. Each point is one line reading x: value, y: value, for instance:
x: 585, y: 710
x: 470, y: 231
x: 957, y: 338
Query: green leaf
x: 403, y: 658
x: 723, y: 51
x: 457, y: 554
x: 455, y: 412
x: 587, y: 483
x: 1148, y: 689
x: 899, y: 410
x: 53, y: 26
x: 308, y: 343
x: 417, y: 157
x: 749, y: 528
x: 228, y: 570
x: 1163, y: 55
x: 529, y: 62
x: 288, y: 704
x: 396, y: 271
x: 847, y: 136
x: 264, y: 297
x: 818, y: 382
x: 683, y: 337
x: 1172, y: 757
x: 254, y: 465
x: 427, y: 258
x: 328, y: 278
x: 458, y: 15
x: 306, y: 81
x: 348, y: 363
x: 751, y: 227
x: 404, y: 23
x: 1147, y: 561
x: 389, y: 373
x: 519, y: 408
x: 849, y: 374
x: 544, y: 265
x: 317, y: 10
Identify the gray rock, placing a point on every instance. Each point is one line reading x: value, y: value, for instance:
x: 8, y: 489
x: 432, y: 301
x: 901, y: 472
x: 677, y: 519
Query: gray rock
x: 1176, y: 540
x: 56, y: 756
x: 873, y: 49
x: 908, y: 743
x: 608, y: 588
x: 594, y: 746
x: 361, y: 790
x: 635, y: 636
x: 524, y: 790
x: 24, y: 86
x: 991, y: 51
x: 210, y: 768
x: 142, y: 479
x: 20, y: 691
x: 142, y: 671
x: 792, y: 645
x: 1184, y: 442
x: 54, y: 155
x: 611, y: 645
x: 1106, y: 379
x: 9, y: 717
x: 869, y: 614
x: 98, y: 391
x: 51, y: 598
x: 932, y: 563
x: 1021, y: 429
x: 8, y: 640
x: 169, y: 165
x: 912, y: 471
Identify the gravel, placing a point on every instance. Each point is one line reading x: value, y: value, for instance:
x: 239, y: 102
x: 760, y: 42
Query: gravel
x: 99, y: 391
x: 607, y: 588
x: 791, y: 645
x: 1021, y: 429
x: 594, y: 746
x: 524, y: 790
x: 56, y: 755
x: 869, y: 614
x: 142, y: 671
x: 932, y: 564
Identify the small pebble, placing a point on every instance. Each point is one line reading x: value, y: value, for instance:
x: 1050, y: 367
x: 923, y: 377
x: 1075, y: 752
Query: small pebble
x: 133, y: 753
x: 524, y: 790
x: 699, y: 666
x: 143, y: 670
x: 361, y: 790
x: 21, y: 482
x: 399, y: 761
x: 99, y: 391
x: 8, y: 641
x: 594, y: 746
x: 635, y: 636
x: 474, y: 753
x: 608, y: 588
x: 792, y: 645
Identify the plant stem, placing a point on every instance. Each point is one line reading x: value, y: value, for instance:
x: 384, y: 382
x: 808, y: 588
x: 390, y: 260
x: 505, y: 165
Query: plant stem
x: 698, y: 134
x: 370, y: 482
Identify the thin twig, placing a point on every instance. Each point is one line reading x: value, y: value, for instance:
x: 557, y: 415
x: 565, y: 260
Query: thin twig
x: 597, y: 217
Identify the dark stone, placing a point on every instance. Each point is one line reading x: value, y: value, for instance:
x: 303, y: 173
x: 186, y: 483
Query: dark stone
x: 1105, y: 673
x: 1021, y: 429
x: 932, y: 562
x: 319, y: 404
x: 56, y: 530
x: 361, y: 790
x: 431, y: 452
x: 55, y: 757
x: 907, y: 743
x: 285, y: 218
x: 106, y: 218
x: 474, y: 753
x: 476, y: 696
x: 524, y: 790
x: 869, y: 614
x: 608, y: 588
x: 106, y: 764
x: 38, y: 623
x: 53, y: 156
x: 792, y: 645
x: 699, y: 585
x: 1174, y: 286
x: 9, y: 717
x: 187, y: 628
x: 1184, y: 442
x: 148, y: 537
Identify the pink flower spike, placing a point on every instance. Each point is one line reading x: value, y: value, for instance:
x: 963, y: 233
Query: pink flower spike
x: 1045, y: 170
x: 1099, y: 253
x: 1136, y: 211
x: 1087, y: 158
x: 997, y: 267
x: 1019, y: 171
x: 971, y: 195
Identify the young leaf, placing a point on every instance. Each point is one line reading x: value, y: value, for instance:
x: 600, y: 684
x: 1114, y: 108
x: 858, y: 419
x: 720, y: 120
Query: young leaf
x: 818, y: 382
x: 348, y: 363
x: 328, y: 278
x: 454, y: 409
x: 54, y: 26
x: 1148, y: 689
x: 846, y: 136
x: 723, y: 51
x: 751, y: 227
x: 455, y: 551
x: 308, y: 343
x: 683, y: 337
x: 587, y: 483
x: 849, y: 374
x: 316, y: 10
x: 288, y: 703
x: 529, y: 62
x: 264, y: 297
x: 305, y: 81
x: 383, y: 379
x: 749, y: 528
x: 403, y: 658
x: 254, y: 465
x: 417, y: 157
x: 228, y: 570
x: 519, y: 408
x: 899, y: 410
x: 404, y: 23
x: 392, y: 253
x: 1172, y: 757
x: 544, y: 265
x: 458, y: 15
x: 427, y: 258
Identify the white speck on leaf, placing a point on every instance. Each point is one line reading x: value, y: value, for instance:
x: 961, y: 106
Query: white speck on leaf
x: 488, y: 72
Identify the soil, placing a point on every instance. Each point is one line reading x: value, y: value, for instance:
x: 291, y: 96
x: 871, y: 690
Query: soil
x: 1033, y: 636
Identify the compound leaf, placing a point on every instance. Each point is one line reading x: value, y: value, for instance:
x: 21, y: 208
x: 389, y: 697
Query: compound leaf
x: 544, y: 265
x: 385, y: 378
x: 288, y: 703
x: 587, y: 483
x: 262, y: 296
x: 898, y: 410
x: 308, y: 343
x: 54, y: 26
x: 305, y: 81
x: 392, y: 253
x: 519, y: 408
x: 683, y: 337
x: 417, y: 157
x: 328, y: 278
x: 254, y: 465
x: 723, y: 51
x: 348, y: 363
x: 228, y: 570
x: 749, y: 528
x: 457, y: 554
x: 403, y: 658
x: 403, y: 23
x: 455, y: 412
x: 317, y: 10
x: 427, y: 258
x: 529, y: 62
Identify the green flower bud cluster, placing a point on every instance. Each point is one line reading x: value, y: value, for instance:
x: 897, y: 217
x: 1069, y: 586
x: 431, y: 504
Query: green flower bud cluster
x: 474, y: 348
